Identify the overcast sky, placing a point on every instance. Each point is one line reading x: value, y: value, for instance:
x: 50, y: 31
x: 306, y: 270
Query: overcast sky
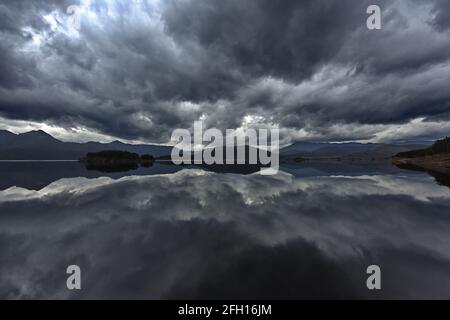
x: 137, y: 70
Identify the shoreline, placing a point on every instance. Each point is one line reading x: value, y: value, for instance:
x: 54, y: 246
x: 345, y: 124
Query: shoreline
x: 439, y: 163
x: 4, y: 161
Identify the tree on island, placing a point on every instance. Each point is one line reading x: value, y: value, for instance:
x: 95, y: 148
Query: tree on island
x: 113, y: 161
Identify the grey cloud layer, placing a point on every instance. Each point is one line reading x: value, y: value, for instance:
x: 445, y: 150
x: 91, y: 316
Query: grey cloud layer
x: 139, y: 70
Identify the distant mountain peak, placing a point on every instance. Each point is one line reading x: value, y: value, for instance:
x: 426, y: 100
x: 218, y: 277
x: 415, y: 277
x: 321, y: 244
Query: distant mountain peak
x: 35, y: 132
x: 39, y: 145
x: 116, y: 142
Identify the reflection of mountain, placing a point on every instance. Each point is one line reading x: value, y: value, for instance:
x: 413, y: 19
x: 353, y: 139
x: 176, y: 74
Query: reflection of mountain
x: 342, y: 168
x: 38, y: 145
x: 442, y: 178
x: 229, y: 154
x: 37, y: 175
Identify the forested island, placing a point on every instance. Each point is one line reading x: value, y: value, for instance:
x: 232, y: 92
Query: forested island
x: 435, y: 158
x: 114, y: 161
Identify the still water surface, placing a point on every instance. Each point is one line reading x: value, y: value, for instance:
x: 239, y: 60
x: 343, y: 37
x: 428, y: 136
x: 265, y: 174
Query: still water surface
x: 170, y: 232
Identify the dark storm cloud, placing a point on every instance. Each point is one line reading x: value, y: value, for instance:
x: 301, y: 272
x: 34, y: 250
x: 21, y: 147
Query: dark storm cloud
x: 169, y: 237
x: 287, y: 39
x: 13, y: 72
x: 137, y: 70
x: 441, y: 19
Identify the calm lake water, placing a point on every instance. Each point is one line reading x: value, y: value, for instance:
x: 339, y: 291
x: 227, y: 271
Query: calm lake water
x: 169, y: 232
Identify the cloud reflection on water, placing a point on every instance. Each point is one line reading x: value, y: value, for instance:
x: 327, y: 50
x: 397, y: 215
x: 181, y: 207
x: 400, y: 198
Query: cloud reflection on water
x: 195, y: 234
